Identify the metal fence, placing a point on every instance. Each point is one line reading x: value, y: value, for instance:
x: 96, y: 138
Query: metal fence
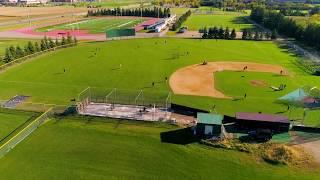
x: 25, y: 132
x: 126, y: 97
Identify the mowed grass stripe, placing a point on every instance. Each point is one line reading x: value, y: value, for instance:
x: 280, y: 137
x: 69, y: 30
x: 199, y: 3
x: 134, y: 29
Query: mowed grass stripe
x: 92, y: 149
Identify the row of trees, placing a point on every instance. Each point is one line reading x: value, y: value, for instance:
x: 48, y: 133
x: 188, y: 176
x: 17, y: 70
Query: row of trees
x: 247, y: 34
x: 218, y: 33
x: 258, y: 35
x: 181, y: 19
x: 178, y: 3
x: 12, y: 53
x: 145, y: 12
x: 276, y: 21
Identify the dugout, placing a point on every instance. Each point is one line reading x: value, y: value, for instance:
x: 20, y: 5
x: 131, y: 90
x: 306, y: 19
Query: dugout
x: 253, y: 121
x: 208, y: 124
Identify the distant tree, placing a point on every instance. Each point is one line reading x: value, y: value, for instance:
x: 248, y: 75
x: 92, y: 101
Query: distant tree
x: 274, y: 34
x: 51, y: 43
x: 233, y: 34
x: 205, y: 33
x: 31, y: 48
x: 215, y: 32
x: 227, y: 33
x: 13, y: 52
x: 36, y: 47
x: 256, y: 36
x: 75, y: 41
x: 245, y: 34
x: 63, y: 40
x: 19, y: 52
x: 249, y: 35
x: 57, y: 42
x: 43, y: 45
x: 26, y: 50
x: 69, y: 39
x: 221, y: 33
x: 7, y: 56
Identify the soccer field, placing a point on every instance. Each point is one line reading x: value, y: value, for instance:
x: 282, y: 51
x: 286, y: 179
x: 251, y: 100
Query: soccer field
x: 98, y: 149
x: 100, y: 25
x: 236, y: 21
x: 97, y: 65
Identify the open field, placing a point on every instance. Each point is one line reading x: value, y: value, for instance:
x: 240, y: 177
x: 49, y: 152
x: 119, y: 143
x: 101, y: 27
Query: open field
x: 305, y: 20
x: 97, y: 65
x: 39, y: 11
x: 105, y: 149
x: 11, y: 120
x: 231, y: 20
x: 95, y: 25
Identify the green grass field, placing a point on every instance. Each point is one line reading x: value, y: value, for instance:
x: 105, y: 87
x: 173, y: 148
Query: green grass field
x: 10, y: 120
x: 231, y: 20
x: 139, y: 70
x: 105, y: 149
x: 4, y: 43
x: 303, y: 21
x: 95, y: 25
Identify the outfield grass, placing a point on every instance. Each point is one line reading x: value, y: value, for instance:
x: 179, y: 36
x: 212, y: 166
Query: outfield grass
x: 95, y: 25
x: 254, y: 84
x: 11, y: 120
x: 231, y: 20
x: 44, y: 80
x: 91, y: 149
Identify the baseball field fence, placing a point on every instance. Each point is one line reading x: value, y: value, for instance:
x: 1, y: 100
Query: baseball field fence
x: 123, y: 97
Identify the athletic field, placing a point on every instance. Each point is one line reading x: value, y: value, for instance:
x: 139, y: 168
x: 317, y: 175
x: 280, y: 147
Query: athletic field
x: 106, y: 149
x: 231, y: 20
x: 98, y: 65
x: 100, y: 25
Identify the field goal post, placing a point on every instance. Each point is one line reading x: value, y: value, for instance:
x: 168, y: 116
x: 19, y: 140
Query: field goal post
x: 140, y: 97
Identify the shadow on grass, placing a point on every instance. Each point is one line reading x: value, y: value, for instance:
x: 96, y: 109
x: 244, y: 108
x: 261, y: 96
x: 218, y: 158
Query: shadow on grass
x: 179, y: 136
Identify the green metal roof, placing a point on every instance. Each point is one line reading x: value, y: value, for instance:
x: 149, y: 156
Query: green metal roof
x: 205, y: 118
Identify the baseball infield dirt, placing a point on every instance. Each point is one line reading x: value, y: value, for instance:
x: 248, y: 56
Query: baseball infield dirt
x: 198, y: 79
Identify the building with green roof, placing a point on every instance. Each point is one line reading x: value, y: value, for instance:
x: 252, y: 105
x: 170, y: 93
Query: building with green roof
x: 208, y: 124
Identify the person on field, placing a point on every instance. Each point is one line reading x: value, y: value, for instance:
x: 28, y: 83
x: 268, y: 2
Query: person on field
x: 281, y: 72
x: 245, y: 95
x: 64, y: 70
x: 152, y: 84
x: 166, y: 78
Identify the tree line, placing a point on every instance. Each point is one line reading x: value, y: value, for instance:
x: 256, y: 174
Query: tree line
x: 225, y: 33
x: 217, y: 33
x: 180, y: 20
x: 145, y: 12
x: 178, y: 3
x: 12, y: 53
x: 276, y: 21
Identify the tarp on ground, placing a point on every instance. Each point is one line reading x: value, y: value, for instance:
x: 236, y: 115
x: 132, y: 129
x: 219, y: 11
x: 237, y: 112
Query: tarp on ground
x: 297, y: 95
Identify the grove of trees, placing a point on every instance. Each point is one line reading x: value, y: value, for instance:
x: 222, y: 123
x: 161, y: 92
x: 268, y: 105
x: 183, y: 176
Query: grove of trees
x: 180, y: 20
x: 145, y: 12
x: 277, y: 22
x: 12, y: 53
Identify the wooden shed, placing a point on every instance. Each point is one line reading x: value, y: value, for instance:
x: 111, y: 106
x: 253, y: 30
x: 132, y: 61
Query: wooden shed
x: 208, y: 124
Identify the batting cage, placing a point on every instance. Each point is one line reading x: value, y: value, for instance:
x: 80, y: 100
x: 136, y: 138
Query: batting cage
x: 125, y: 104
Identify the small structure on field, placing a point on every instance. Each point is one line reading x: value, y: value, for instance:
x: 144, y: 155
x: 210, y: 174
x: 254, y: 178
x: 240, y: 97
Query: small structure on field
x: 208, y: 124
x: 306, y: 97
x: 125, y: 104
x: 254, y: 121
